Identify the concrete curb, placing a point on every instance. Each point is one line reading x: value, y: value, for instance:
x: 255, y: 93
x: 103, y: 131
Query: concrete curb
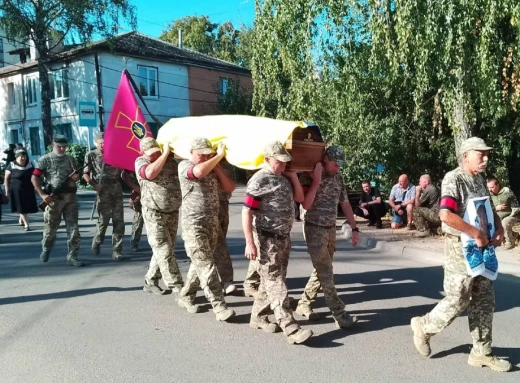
x: 435, y: 258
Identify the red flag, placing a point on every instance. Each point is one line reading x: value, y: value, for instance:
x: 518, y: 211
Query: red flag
x: 125, y: 129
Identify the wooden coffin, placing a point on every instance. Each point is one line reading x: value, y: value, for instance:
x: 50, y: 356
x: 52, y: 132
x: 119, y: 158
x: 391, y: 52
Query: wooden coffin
x: 306, y: 147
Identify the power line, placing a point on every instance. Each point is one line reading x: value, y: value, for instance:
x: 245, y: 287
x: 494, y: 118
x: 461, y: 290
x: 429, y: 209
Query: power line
x: 111, y: 87
x: 168, y: 73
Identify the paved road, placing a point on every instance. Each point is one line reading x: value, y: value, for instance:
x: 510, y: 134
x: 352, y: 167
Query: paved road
x: 95, y: 324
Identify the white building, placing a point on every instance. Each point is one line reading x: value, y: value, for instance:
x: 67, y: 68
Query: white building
x: 87, y: 78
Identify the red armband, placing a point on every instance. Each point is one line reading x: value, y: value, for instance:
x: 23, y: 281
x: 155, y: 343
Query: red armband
x: 449, y: 203
x: 190, y: 173
x: 142, y: 172
x: 252, y: 202
x: 37, y: 173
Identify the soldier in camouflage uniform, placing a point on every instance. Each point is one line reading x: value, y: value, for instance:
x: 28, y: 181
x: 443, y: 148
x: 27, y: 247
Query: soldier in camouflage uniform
x: 161, y: 198
x: 267, y: 219
x: 324, y: 190
x: 135, y: 205
x: 61, y: 173
x: 222, y: 256
x: 105, y: 179
x: 507, y: 209
x: 426, y: 207
x: 201, y: 178
x: 462, y: 291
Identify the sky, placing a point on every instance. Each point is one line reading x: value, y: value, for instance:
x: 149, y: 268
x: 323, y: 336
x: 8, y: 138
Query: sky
x: 153, y: 16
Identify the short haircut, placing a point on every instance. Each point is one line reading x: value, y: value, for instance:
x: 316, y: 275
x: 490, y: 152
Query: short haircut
x: 100, y: 136
x: 365, y: 182
x: 493, y: 179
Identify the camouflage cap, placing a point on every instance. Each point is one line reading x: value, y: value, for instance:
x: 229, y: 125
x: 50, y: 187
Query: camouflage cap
x: 336, y: 154
x: 149, y: 146
x: 60, y: 139
x: 276, y: 150
x: 474, y: 143
x: 202, y: 145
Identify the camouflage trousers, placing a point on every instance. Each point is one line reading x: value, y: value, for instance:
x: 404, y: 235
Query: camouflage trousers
x: 272, y: 297
x: 252, y: 280
x: 200, y: 242
x: 321, y: 244
x: 64, y: 205
x: 426, y: 219
x: 162, y: 234
x: 221, y: 255
x: 508, y: 224
x: 110, y: 206
x: 463, y: 292
x: 137, y: 228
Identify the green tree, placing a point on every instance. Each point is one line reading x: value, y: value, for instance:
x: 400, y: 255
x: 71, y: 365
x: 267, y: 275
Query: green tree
x: 236, y: 100
x: 50, y: 22
x: 397, y: 83
x: 198, y: 33
x: 222, y: 41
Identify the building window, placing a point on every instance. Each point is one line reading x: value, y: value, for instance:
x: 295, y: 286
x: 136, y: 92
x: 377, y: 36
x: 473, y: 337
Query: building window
x: 32, y: 95
x: 148, y: 83
x: 11, y: 95
x: 59, y: 82
x: 14, y: 136
x: 34, y: 135
x: 65, y: 130
x: 224, y: 84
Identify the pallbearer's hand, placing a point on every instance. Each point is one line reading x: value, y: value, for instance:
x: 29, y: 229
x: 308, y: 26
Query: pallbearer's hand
x: 497, y: 238
x: 75, y: 178
x: 318, y: 171
x: 355, y: 238
x: 290, y: 174
x: 166, y: 147
x: 221, y: 149
x: 251, y: 251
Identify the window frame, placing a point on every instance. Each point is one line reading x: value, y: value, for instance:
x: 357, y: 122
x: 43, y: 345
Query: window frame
x: 30, y: 84
x: 33, y: 144
x: 146, y: 81
x: 64, y: 85
x: 223, y: 85
x: 11, y: 94
x: 68, y: 133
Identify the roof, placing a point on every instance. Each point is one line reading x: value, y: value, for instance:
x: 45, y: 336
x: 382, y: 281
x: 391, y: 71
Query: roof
x: 139, y: 45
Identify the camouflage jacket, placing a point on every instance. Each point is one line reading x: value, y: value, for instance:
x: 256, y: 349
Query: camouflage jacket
x: 457, y: 188
x: 270, y: 196
x: 163, y: 193
x: 56, y: 169
x: 200, y: 197
x: 94, y: 165
x: 331, y: 192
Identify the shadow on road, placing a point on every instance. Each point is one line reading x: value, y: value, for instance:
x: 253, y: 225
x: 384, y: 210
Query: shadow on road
x: 65, y: 294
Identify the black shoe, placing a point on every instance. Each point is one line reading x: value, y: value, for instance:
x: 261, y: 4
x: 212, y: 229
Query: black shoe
x: 371, y: 223
x: 379, y: 225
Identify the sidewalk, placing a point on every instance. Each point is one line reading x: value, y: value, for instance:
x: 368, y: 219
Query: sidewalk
x: 428, y: 250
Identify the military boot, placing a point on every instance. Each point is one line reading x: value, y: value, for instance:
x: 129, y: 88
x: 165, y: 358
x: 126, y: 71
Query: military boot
x: 344, y: 320
x: 118, y: 256
x: 490, y: 360
x: 299, y: 336
x: 95, y: 246
x: 420, y: 340
x: 75, y: 262
x: 153, y: 289
x: 305, y: 310
x: 44, y: 255
x: 188, y: 306
x: 225, y: 315
x: 264, y: 325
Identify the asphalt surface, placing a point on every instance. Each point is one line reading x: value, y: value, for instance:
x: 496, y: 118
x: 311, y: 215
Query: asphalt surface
x: 95, y: 324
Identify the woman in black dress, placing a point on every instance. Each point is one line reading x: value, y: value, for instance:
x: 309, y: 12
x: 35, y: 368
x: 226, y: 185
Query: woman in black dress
x: 19, y: 188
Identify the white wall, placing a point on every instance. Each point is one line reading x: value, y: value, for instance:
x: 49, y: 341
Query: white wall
x: 173, y: 99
